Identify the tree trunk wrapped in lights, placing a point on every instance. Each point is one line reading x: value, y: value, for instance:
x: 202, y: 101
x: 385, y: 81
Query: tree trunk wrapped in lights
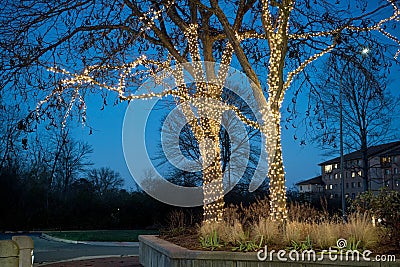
x: 115, y: 38
x: 276, y: 172
x: 213, y: 190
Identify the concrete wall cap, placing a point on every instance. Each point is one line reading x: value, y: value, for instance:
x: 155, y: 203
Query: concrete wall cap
x: 23, y: 241
x: 8, y: 248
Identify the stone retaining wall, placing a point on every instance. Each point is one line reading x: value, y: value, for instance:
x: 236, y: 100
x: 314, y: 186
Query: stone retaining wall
x: 156, y: 252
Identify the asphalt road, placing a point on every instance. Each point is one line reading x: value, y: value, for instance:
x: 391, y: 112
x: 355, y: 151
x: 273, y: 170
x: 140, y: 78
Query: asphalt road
x: 51, y: 251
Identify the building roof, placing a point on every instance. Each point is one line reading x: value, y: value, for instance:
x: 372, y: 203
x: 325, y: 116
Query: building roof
x: 315, y: 180
x: 384, y: 149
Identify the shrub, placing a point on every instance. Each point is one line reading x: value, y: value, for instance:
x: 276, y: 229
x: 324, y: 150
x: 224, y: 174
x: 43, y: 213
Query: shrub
x: 325, y: 234
x: 267, y: 230
x: 228, y: 232
x: 306, y: 227
x: 305, y: 213
x: 296, y: 231
x: 385, y: 207
x: 360, y: 229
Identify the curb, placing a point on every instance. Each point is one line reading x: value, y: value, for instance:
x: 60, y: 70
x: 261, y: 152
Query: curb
x: 52, y: 238
x: 92, y: 243
x: 84, y: 258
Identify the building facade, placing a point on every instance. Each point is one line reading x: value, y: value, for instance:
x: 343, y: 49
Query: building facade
x: 383, y: 171
x: 314, y: 185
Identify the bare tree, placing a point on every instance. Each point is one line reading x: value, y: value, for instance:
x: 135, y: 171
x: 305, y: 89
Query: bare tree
x: 105, y: 180
x: 368, y: 106
x: 67, y: 161
x: 98, y: 44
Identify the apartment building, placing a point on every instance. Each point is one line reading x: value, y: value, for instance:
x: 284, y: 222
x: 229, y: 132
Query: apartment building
x: 383, y: 171
x: 313, y: 186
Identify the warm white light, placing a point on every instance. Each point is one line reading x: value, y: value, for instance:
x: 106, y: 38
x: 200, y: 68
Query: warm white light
x: 365, y: 51
x: 276, y: 31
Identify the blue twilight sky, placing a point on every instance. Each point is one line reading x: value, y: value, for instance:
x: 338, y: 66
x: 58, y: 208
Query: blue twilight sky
x: 301, y: 162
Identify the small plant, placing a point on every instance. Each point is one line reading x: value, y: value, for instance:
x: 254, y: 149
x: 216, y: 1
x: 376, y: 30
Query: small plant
x: 175, y: 223
x: 211, y: 241
x: 353, y: 245
x: 248, y: 245
x: 301, y: 246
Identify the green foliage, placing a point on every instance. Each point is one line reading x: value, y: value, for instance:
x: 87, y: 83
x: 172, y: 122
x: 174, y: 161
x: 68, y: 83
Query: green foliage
x: 212, y: 241
x: 300, y: 246
x: 384, y: 206
x: 248, y: 245
x: 352, y: 244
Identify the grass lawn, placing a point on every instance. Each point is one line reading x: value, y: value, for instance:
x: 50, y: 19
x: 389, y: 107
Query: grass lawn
x: 103, y: 235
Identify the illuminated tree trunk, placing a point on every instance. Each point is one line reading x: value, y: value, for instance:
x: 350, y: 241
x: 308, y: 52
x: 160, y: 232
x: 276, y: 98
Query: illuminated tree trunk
x: 276, y: 90
x: 213, y: 190
x: 276, y: 172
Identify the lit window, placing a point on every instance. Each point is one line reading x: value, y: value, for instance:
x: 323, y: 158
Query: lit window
x: 330, y: 186
x: 359, y: 173
x: 328, y: 168
x: 397, y: 183
x: 385, y: 160
x: 353, y: 174
x: 336, y: 175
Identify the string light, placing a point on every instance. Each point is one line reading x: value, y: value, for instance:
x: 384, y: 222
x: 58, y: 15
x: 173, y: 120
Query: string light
x: 209, y: 87
x: 377, y: 27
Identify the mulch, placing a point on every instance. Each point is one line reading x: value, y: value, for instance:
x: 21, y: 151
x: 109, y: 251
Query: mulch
x: 101, y: 262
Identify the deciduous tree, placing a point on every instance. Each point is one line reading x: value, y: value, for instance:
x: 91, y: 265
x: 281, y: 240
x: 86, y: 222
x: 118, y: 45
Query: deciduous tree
x: 98, y: 44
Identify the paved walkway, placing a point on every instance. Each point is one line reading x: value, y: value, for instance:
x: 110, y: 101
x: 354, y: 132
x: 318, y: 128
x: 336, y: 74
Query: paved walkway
x: 98, y: 262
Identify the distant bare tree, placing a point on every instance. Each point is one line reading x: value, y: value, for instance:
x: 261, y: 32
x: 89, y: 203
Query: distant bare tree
x: 114, y: 45
x: 69, y: 160
x: 105, y: 179
x: 368, y: 105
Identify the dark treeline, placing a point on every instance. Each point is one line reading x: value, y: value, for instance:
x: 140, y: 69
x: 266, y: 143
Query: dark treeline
x: 50, y: 183
x: 27, y: 204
